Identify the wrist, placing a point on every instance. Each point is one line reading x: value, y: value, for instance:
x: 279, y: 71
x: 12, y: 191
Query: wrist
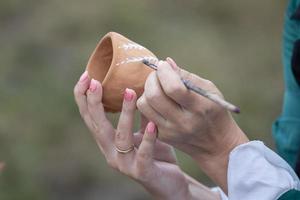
x: 177, y: 191
x: 199, y: 191
x: 179, y: 195
x: 215, y: 162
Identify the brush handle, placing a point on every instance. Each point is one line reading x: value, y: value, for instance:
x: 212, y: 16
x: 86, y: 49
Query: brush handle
x: 212, y: 96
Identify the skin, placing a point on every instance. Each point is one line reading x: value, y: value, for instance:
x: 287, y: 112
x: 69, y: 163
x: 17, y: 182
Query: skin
x: 190, y: 122
x: 151, y: 163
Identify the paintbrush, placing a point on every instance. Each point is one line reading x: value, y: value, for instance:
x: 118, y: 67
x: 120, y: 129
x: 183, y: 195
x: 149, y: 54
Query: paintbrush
x: 211, y: 96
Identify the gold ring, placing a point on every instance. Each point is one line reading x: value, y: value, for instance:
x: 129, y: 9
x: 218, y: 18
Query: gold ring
x: 124, y: 150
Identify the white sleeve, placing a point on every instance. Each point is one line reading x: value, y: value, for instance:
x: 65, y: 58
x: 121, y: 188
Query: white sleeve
x: 220, y: 192
x: 256, y: 172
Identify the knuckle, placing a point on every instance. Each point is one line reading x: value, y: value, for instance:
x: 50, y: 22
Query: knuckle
x: 188, y: 129
x: 120, y: 137
x: 83, y: 111
x: 173, y: 90
x: 93, y: 100
x: 151, y: 95
x: 150, y: 87
x: 140, y: 103
x: 168, y: 125
x: 187, y: 125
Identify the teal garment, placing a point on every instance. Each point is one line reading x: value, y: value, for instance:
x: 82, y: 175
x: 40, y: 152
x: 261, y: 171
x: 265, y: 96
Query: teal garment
x: 286, y: 129
x: 290, y: 195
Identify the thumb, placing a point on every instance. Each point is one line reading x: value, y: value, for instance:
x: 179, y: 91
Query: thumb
x: 181, y: 72
x: 173, y: 64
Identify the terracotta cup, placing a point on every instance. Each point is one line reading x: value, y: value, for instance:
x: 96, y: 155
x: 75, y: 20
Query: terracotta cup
x: 117, y: 64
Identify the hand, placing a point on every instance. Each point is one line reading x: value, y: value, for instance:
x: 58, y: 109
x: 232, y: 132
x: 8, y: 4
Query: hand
x: 190, y: 122
x: 152, y: 163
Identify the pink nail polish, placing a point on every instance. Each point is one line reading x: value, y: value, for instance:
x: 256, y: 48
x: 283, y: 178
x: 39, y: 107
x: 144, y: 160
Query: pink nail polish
x: 84, y: 76
x: 128, y: 95
x: 93, y: 85
x: 151, y: 128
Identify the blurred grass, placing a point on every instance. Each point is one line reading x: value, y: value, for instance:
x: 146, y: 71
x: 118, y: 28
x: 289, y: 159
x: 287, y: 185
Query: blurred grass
x: 45, y: 45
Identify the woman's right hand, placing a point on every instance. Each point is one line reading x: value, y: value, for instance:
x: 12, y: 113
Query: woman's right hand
x: 190, y: 122
x: 151, y: 163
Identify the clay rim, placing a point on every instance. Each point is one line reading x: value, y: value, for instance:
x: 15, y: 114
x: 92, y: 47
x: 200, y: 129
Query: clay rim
x: 109, y: 36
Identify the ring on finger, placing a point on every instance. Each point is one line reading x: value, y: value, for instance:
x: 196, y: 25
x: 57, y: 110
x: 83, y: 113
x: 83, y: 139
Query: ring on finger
x: 124, y: 151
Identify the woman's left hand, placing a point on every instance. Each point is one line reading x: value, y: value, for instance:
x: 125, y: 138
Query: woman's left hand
x: 152, y: 163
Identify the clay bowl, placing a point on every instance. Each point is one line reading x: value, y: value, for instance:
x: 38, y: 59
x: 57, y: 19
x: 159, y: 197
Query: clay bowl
x: 117, y: 64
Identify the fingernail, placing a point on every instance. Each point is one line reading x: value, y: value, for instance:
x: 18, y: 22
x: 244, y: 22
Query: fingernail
x: 128, y: 95
x: 93, y: 85
x: 84, y: 76
x: 172, y: 63
x: 170, y: 59
x: 151, y: 128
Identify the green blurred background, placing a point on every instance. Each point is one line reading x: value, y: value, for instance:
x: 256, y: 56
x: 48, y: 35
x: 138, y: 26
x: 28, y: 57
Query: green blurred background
x: 44, y: 47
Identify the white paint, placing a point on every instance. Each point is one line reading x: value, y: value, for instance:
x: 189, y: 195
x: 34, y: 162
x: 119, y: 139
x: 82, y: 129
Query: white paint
x: 131, y: 45
x: 137, y: 59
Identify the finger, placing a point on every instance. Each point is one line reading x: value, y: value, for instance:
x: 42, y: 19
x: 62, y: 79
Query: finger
x: 145, y: 108
x: 195, y: 99
x: 162, y: 151
x: 103, y: 130
x: 80, y: 90
x: 146, y: 150
x: 137, y: 139
x: 143, y: 123
x: 197, y: 80
x: 171, y: 83
x: 159, y: 101
x: 124, y: 135
x: 80, y: 93
x: 172, y: 63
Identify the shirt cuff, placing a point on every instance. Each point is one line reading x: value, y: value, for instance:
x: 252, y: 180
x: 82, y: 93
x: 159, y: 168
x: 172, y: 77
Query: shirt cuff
x: 220, y: 192
x: 254, y: 171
